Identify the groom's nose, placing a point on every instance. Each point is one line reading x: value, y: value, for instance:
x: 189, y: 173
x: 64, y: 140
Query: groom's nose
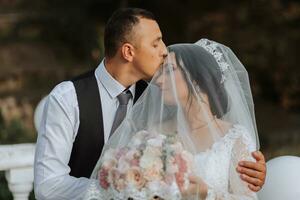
x: 164, y: 52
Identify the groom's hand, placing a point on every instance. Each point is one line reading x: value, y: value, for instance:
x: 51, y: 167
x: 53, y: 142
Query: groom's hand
x: 254, y: 173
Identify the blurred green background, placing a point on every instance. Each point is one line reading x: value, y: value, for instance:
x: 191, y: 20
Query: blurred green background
x: 43, y: 42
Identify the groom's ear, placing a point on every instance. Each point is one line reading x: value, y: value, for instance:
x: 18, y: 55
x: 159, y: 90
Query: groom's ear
x: 127, y: 51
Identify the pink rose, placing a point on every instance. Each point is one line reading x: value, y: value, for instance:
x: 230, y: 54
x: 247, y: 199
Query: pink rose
x: 135, y: 177
x: 189, y: 160
x: 152, y: 174
x: 182, y: 166
x: 103, y: 178
x: 169, y: 179
x: 121, y: 152
x: 180, y: 179
x: 182, y: 169
x: 118, y: 180
x: 134, y: 162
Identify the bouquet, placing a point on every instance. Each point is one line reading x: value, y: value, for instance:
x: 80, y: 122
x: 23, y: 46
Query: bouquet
x: 151, y: 166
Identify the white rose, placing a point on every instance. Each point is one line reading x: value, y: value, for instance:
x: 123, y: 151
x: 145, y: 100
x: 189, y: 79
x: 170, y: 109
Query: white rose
x: 171, y: 166
x: 123, y: 165
x: 152, y: 151
x: 157, y: 141
x: 109, y: 164
x: 147, y: 162
x: 109, y: 154
x: 137, y: 139
x: 132, y: 154
x: 177, y: 147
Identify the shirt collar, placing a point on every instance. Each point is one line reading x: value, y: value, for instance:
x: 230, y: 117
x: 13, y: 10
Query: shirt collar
x: 111, y: 85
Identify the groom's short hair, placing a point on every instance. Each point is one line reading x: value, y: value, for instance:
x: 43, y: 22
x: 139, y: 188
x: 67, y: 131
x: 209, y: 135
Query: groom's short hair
x: 120, y: 25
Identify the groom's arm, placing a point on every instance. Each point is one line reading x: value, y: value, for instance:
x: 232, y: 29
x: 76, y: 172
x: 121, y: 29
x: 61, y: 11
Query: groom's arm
x: 254, y: 173
x: 54, y: 146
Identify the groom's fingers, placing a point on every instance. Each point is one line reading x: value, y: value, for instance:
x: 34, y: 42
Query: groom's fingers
x: 250, y: 172
x: 253, y: 172
x: 253, y: 165
x: 256, y: 171
x: 259, y: 165
x: 253, y: 181
x: 254, y: 188
x: 259, y: 157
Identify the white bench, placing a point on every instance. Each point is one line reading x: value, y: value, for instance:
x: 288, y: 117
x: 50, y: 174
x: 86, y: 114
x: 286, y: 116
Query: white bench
x: 17, y: 162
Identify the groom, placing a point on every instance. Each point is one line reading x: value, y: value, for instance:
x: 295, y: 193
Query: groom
x: 80, y: 114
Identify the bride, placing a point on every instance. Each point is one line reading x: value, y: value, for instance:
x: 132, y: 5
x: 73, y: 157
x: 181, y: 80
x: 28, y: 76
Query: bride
x: 200, y: 99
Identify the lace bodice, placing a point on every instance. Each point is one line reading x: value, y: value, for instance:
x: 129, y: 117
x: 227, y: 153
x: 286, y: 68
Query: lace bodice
x: 216, y: 166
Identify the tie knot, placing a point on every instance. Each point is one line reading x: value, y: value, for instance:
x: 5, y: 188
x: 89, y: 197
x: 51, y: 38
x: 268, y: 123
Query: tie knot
x: 124, y: 97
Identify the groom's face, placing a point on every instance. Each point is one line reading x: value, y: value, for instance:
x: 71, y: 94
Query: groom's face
x: 150, y: 49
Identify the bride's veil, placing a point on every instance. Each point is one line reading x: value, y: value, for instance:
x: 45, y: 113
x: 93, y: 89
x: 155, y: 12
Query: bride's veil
x: 195, y: 98
x: 236, y: 83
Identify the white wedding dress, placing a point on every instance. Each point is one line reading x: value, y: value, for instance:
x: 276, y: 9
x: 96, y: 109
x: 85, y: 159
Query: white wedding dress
x: 217, y: 165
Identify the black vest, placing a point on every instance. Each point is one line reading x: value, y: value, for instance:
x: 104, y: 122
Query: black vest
x: 89, y: 141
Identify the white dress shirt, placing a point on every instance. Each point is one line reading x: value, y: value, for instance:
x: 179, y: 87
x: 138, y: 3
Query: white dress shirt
x: 58, y: 130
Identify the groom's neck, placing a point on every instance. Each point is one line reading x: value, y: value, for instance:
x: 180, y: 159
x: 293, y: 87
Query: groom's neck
x: 121, y: 71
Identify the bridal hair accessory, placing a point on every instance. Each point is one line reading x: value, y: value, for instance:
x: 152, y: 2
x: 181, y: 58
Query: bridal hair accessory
x: 211, y: 47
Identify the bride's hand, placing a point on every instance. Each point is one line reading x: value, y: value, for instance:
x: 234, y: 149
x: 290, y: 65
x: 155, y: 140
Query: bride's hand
x: 196, y: 186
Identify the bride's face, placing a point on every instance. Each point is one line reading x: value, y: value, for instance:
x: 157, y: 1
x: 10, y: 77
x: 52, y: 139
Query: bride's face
x: 172, y: 83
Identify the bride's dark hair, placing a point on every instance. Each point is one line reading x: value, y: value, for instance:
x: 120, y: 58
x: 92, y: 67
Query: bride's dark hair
x: 205, y: 72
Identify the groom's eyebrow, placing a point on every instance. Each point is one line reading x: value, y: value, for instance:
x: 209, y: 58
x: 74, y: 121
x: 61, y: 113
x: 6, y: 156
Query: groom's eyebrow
x: 158, y: 39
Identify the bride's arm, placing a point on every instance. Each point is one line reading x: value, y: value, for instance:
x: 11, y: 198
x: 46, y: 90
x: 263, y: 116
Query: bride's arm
x: 238, y: 189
